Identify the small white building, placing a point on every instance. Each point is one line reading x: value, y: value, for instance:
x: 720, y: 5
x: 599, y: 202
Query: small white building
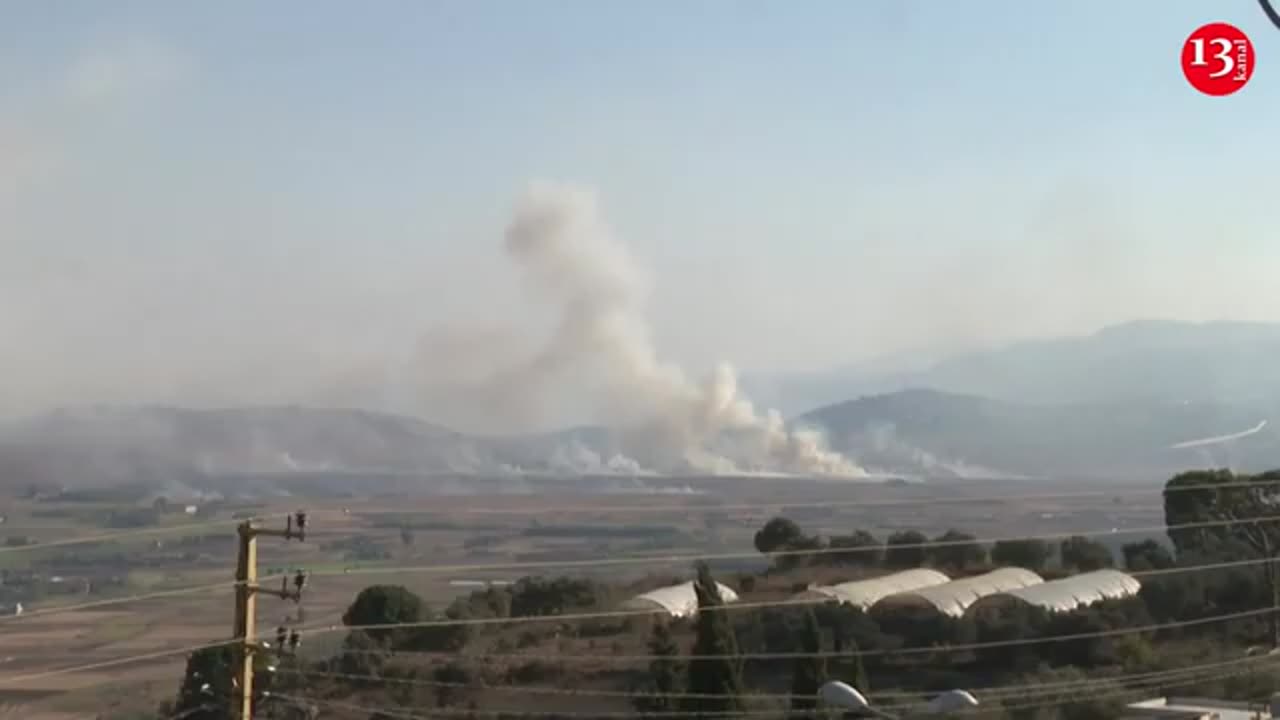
x: 677, y: 600
x: 191, y: 509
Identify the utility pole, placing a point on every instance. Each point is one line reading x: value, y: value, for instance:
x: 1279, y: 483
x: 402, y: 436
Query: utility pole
x: 247, y: 589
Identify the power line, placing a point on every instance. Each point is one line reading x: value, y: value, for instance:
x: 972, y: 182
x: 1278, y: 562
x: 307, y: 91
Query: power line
x: 1020, y: 689
x: 114, y: 662
x: 614, y: 657
x: 581, y: 616
x: 456, y: 712
x: 781, y: 504
x: 124, y: 535
x: 1188, y: 676
x: 958, y: 647
x: 635, y: 560
x: 755, y: 554
x: 120, y: 600
x: 1111, y: 694
x: 586, y: 616
x: 113, y: 537
x: 107, y: 602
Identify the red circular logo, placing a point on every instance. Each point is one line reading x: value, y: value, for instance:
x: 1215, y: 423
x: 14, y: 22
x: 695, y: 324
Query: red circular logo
x: 1217, y: 59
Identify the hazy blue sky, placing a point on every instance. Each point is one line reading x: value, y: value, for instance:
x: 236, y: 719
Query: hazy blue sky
x: 220, y: 201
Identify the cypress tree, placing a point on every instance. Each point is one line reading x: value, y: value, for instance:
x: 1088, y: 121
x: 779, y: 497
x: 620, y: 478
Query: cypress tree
x: 714, y: 670
x: 664, y: 673
x: 808, y: 672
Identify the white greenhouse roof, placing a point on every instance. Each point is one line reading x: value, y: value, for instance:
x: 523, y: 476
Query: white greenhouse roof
x: 955, y: 597
x: 1076, y: 591
x: 677, y: 600
x: 865, y: 593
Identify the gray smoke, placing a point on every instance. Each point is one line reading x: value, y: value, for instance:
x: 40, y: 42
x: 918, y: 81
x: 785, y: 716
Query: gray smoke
x: 601, y: 343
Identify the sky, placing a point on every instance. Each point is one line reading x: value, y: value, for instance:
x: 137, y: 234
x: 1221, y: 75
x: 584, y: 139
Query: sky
x: 259, y: 202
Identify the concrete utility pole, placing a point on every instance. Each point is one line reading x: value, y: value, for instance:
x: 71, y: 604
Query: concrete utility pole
x: 247, y: 590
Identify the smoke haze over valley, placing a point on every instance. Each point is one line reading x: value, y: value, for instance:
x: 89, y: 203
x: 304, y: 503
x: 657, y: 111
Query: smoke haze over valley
x: 582, y: 352
x: 756, y: 256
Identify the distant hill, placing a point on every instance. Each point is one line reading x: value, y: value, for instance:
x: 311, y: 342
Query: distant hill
x: 106, y: 444
x: 951, y: 434
x: 1231, y: 363
x: 1111, y: 403
x: 179, y: 446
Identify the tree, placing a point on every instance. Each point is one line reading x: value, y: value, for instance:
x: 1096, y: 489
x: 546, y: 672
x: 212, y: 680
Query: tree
x: 1242, y: 510
x: 865, y: 550
x: 715, y: 681
x: 206, y: 691
x: 808, y: 673
x: 384, y: 605
x: 1146, y: 555
x: 450, y: 680
x: 777, y: 534
x: 905, y: 549
x: 442, y: 638
x: 555, y: 596
x: 960, y: 551
x: 664, y: 674
x: 1084, y: 555
x: 361, y: 656
x: 1031, y: 554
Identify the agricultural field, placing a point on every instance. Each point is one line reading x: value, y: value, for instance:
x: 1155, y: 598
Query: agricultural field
x: 440, y: 548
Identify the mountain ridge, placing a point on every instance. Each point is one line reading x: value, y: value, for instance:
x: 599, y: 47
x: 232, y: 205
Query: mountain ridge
x: 1112, y: 402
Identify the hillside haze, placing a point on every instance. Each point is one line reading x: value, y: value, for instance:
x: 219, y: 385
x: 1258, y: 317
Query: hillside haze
x: 1149, y: 360
x: 1113, y: 403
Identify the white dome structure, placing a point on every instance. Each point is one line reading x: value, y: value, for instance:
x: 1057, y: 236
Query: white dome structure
x: 1076, y: 591
x: 677, y: 600
x: 955, y: 597
x: 865, y: 593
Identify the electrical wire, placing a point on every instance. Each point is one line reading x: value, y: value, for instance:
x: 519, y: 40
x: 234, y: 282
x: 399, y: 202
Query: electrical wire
x: 120, y: 600
x: 126, y: 534
x: 759, y: 605
x: 116, y: 662
x: 1192, y: 676
x: 982, y: 692
x: 958, y: 647
x: 784, y: 504
x: 456, y: 568
x: 811, y: 552
x: 1108, y: 695
x: 1114, y: 632
x: 463, y: 712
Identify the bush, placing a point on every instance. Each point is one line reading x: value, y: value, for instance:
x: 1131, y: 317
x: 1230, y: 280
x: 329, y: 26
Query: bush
x: 864, y: 550
x: 541, y: 596
x: 535, y: 671
x: 961, y: 551
x: 905, y: 549
x: 1031, y: 554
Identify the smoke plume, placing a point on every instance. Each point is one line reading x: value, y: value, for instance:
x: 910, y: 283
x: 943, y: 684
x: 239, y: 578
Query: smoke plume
x: 601, y: 344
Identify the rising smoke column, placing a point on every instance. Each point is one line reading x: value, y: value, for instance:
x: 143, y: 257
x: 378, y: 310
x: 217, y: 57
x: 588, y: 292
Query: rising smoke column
x: 668, y: 421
